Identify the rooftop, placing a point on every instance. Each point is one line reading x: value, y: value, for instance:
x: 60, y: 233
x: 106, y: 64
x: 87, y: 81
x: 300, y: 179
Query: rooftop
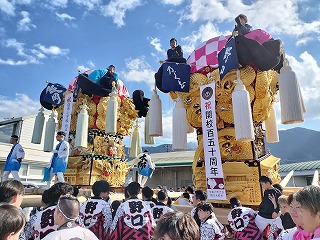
x: 172, y: 159
x: 300, y: 166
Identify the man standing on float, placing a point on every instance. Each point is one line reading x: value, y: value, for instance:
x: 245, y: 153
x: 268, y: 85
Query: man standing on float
x: 14, y: 159
x: 59, y: 160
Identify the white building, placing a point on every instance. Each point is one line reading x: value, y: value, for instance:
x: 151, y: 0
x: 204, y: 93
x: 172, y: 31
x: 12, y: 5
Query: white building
x: 303, y: 172
x: 35, y: 159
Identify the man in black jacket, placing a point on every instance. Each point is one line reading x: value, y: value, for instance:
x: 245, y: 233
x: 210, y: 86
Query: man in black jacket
x: 175, y: 51
x: 267, y: 212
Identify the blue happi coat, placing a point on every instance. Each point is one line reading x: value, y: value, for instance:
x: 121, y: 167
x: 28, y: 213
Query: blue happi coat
x: 59, y: 159
x: 145, y: 164
x: 12, y: 163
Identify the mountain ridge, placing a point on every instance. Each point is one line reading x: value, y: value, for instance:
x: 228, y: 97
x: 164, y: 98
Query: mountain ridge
x: 296, y: 145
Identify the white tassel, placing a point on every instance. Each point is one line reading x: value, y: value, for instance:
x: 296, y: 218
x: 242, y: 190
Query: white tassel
x: 179, y: 127
x: 50, y: 132
x: 242, y: 112
x: 112, y: 112
x: 291, y: 102
x: 135, y: 147
x: 272, y: 134
x: 155, y: 110
x: 287, y: 178
x: 315, y: 179
x: 38, y: 127
x: 147, y: 138
x: 82, y: 127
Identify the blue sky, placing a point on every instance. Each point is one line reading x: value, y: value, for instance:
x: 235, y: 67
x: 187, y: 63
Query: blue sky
x: 49, y: 40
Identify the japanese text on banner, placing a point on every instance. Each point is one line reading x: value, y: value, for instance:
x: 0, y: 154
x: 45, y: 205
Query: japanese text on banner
x: 68, y: 102
x: 214, y: 173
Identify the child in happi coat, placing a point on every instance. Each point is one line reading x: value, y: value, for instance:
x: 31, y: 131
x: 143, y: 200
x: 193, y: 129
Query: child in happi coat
x: 42, y: 223
x: 133, y: 218
x: 199, y: 196
x: 161, y: 208
x: 241, y: 220
x: 209, y: 228
x: 95, y: 214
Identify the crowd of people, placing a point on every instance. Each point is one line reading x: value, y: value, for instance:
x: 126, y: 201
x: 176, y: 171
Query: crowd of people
x: 62, y: 216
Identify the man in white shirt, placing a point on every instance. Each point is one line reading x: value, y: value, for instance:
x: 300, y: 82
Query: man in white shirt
x: 14, y: 159
x: 145, y: 166
x: 59, y: 160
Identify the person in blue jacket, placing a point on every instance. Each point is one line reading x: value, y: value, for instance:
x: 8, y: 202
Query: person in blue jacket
x: 13, y: 162
x: 59, y: 160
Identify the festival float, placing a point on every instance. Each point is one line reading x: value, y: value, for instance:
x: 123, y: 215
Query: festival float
x: 96, y: 118
x: 225, y: 90
x: 238, y: 78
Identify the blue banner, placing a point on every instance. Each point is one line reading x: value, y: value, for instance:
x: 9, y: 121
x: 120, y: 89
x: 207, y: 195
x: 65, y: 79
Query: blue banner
x: 176, y: 77
x: 53, y: 94
x: 228, y: 58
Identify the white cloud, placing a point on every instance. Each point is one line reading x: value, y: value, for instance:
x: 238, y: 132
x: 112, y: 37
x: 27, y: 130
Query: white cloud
x: 2, y: 30
x: 22, y: 104
x: 7, y: 7
x: 64, y: 16
x: 172, y: 2
x: 304, y: 41
x: 13, y: 43
x: 12, y: 62
x: 157, y: 45
x: 83, y: 68
x: 58, y: 3
x: 205, y: 32
x: 91, y: 64
x: 52, y: 50
x: 205, y: 9
x: 19, y: 47
x: 38, y: 53
x: 280, y: 17
x: 25, y: 23
x: 116, y: 9
x: 138, y: 70
x: 89, y: 4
